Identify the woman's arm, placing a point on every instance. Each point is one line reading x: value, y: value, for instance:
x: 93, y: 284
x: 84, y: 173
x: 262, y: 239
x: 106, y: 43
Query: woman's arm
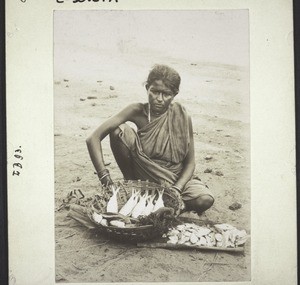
x: 188, y: 163
x: 94, y: 140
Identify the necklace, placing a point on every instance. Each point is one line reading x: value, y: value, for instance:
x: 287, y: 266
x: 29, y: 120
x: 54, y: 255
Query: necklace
x: 149, y: 116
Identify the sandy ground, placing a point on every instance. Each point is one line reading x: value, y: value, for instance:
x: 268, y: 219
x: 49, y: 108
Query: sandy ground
x: 216, y: 96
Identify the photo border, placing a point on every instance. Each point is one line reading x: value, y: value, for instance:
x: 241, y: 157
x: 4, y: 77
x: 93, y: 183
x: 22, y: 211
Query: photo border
x: 29, y: 72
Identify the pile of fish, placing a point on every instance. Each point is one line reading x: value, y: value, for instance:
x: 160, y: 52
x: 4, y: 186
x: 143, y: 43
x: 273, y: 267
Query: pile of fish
x: 137, y: 205
x: 219, y: 235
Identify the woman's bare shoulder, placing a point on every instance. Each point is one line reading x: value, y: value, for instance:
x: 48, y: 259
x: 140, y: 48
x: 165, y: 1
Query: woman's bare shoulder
x: 131, y: 112
x: 135, y: 108
x: 132, y: 108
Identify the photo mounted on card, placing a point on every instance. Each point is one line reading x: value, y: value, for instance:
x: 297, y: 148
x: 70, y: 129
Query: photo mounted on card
x: 152, y: 145
x: 144, y: 151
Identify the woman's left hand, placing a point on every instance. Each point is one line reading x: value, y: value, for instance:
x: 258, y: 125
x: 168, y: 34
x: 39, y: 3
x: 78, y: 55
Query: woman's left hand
x: 177, y: 192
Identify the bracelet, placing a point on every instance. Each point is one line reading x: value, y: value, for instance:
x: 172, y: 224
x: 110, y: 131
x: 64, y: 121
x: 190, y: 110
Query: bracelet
x: 102, y: 172
x: 103, y: 176
x: 177, y: 188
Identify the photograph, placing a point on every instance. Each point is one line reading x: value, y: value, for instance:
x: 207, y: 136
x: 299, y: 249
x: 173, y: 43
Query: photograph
x: 152, y: 145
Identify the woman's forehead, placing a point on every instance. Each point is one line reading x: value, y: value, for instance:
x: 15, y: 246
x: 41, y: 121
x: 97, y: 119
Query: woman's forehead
x: 159, y: 84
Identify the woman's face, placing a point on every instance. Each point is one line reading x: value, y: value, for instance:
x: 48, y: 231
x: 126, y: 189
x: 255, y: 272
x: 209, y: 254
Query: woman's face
x: 160, y: 97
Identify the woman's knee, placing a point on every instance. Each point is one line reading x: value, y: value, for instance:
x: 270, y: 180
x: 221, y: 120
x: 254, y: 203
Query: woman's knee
x: 115, y: 134
x: 200, y: 204
x: 207, y: 201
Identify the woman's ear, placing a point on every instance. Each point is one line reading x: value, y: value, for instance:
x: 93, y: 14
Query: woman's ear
x: 147, y: 86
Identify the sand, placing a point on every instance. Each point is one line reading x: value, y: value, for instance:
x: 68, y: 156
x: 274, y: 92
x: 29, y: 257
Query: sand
x: 217, y: 98
x: 101, y: 59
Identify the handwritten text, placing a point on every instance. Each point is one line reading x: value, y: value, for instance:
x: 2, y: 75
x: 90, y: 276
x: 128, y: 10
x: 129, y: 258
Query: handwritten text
x: 17, y: 165
x: 81, y: 1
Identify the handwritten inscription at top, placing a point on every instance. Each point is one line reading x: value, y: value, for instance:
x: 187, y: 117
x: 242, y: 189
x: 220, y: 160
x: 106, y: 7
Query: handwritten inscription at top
x: 81, y: 1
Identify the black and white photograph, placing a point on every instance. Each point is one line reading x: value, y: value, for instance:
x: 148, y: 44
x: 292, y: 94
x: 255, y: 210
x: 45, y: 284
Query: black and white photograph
x: 152, y: 146
x: 150, y: 142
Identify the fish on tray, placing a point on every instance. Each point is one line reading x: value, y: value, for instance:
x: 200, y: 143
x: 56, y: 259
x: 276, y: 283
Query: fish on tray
x: 221, y: 235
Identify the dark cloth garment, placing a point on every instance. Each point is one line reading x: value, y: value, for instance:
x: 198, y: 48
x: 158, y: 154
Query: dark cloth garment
x: 159, y: 148
x: 166, y: 139
x: 195, y: 188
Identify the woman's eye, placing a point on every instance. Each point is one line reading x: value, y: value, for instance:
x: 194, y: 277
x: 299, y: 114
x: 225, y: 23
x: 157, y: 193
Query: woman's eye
x: 164, y: 95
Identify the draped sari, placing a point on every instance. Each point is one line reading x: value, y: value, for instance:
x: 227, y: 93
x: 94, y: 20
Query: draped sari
x: 159, y: 148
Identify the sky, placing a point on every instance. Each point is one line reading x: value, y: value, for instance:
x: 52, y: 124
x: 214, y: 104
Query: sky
x: 220, y: 36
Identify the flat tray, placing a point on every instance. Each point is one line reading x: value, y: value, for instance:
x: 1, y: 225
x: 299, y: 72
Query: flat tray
x: 239, y: 249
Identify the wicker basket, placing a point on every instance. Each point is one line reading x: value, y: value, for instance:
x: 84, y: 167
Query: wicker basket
x: 133, y: 233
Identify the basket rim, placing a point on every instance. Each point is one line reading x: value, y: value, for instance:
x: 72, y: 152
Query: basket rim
x: 128, y: 228
x: 128, y: 183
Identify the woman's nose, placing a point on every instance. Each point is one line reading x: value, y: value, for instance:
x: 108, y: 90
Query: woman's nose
x: 160, y: 97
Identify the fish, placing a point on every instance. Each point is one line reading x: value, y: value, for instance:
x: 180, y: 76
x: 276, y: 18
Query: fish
x: 213, y: 241
x: 183, y: 239
x: 226, y: 242
x: 173, y: 232
x: 190, y: 225
x: 180, y: 227
x: 140, y: 206
x: 117, y: 223
x: 104, y: 222
x: 241, y: 240
x: 118, y: 216
x: 112, y: 205
x: 159, y: 202
x: 201, y: 231
x: 149, y: 207
x: 193, y: 238
x: 173, y: 239
x: 218, y: 237
x: 187, y: 233
x: 208, y: 241
x: 97, y: 217
x: 202, y: 241
x: 225, y: 235
x: 130, y: 204
x: 224, y: 227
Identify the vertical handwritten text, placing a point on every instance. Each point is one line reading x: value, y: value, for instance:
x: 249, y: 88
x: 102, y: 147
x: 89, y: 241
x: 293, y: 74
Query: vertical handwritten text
x: 17, y: 166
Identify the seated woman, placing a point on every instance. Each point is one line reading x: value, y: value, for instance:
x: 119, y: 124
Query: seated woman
x: 162, y: 149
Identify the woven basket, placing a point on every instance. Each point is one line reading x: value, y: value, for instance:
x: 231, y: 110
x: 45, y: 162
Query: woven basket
x: 133, y: 233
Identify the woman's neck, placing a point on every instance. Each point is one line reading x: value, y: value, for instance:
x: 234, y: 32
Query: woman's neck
x: 152, y: 114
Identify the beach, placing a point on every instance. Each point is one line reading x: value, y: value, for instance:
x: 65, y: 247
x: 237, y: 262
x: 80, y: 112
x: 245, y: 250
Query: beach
x: 94, y: 82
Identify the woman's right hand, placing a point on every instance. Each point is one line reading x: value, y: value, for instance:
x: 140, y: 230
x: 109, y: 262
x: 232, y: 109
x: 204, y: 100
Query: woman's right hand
x: 105, y: 178
x: 106, y: 181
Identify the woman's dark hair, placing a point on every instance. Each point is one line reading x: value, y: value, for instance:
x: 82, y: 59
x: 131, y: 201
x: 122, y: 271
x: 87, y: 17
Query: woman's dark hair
x: 168, y: 75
